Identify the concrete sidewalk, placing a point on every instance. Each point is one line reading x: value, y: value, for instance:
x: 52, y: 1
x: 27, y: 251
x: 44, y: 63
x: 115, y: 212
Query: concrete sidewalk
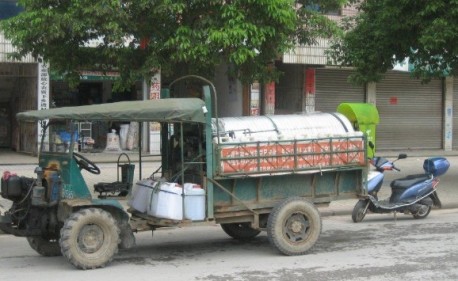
x: 448, y: 191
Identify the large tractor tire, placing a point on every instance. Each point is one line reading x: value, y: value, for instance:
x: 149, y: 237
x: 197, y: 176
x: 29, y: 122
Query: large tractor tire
x: 294, y: 226
x: 240, y: 231
x: 45, y: 247
x: 89, y: 238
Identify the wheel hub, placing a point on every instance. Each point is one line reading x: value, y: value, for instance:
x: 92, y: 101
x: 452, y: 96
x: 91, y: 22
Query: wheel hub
x: 422, y: 210
x: 90, y: 239
x: 296, y: 228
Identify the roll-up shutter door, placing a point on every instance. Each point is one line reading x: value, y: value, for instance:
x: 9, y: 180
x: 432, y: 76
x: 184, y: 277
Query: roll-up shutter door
x: 333, y: 88
x: 455, y: 113
x: 410, y: 113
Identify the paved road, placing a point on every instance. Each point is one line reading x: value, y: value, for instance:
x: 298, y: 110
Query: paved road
x: 378, y: 249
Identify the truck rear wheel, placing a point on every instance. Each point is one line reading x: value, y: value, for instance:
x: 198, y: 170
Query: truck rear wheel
x: 89, y: 238
x: 45, y: 247
x: 240, y: 231
x: 294, y: 226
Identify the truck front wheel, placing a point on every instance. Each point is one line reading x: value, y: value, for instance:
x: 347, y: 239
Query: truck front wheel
x: 45, y: 247
x: 294, y: 226
x: 89, y: 238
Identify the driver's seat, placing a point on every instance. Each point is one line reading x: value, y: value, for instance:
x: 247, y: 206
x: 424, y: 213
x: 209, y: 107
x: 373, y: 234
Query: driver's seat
x: 122, y: 186
x: 112, y: 188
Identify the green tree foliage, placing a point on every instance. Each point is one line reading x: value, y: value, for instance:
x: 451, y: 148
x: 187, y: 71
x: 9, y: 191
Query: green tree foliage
x: 389, y: 31
x: 188, y: 36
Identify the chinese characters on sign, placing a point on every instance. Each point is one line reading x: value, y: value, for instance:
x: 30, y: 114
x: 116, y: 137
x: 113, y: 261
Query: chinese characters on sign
x: 155, y: 87
x: 269, y: 100
x: 43, y: 93
x: 254, y: 99
x: 310, y: 89
x: 154, y: 127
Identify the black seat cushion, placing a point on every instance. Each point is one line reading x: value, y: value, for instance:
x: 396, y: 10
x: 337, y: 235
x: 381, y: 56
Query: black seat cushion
x: 110, y: 186
x: 408, y: 181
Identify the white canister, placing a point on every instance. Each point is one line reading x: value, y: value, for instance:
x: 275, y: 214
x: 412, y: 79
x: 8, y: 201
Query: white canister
x: 194, y: 202
x: 142, y: 194
x: 166, y: 202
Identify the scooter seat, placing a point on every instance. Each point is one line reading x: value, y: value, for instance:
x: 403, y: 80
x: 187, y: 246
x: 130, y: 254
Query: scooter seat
x: 408, y: 181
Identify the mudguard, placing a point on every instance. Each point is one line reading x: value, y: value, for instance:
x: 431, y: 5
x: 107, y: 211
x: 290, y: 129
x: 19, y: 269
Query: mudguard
x: 67, y: 206
x: 436, y: 201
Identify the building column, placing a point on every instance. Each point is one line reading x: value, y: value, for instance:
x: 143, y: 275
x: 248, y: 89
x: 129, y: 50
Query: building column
x: 308, y: 98
x: 269, y: 98
x: 371, y: 93
x: 448, y: 113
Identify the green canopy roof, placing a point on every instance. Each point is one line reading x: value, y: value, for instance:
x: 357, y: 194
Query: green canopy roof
x: 162, y: 110
x: 363, y: 113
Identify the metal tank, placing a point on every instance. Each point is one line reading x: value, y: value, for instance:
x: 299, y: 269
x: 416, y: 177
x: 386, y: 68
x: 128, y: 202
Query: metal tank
x: 293, y: 126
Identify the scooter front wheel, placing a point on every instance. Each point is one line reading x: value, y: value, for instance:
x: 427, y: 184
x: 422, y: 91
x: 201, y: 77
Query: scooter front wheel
x: 359, y: 211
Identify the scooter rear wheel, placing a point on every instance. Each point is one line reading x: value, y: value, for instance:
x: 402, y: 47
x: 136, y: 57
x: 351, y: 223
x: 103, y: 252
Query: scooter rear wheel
x: 359, y: 211
x: 422, y: 213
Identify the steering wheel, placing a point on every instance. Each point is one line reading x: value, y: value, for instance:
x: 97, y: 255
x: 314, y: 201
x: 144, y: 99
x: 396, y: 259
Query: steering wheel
x: 84, y: 163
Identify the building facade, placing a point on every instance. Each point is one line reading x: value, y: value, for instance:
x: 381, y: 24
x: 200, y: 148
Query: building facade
x: 412, y: 115
x: 18, y: 89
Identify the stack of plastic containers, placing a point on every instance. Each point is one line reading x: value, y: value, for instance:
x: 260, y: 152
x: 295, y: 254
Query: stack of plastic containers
x: 165, y: 200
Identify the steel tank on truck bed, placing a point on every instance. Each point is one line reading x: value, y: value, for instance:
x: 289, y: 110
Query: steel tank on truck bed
x: 260, y: 160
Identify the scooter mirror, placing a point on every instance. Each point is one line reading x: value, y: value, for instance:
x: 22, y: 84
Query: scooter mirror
x: 371, y: 145
x: 402, y: 156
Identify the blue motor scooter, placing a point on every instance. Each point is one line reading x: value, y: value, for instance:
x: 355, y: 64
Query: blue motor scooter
x: 413, y: 194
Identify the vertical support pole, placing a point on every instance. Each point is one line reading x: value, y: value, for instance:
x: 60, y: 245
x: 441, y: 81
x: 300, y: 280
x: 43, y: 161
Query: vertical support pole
x: 140, y: 160
x: 182, y: 166
x: 209, y: 150
x: 144, y: 130
x: 448, y: 113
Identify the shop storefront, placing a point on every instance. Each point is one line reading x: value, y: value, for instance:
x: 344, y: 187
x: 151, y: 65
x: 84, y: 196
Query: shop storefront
x: 411, y: 113
x: 333, y: 88
x: 95, y: 88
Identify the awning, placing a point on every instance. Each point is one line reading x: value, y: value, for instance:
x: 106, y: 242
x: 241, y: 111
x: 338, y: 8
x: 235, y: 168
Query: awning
x: 365, y: 118
x: 161, y: 110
